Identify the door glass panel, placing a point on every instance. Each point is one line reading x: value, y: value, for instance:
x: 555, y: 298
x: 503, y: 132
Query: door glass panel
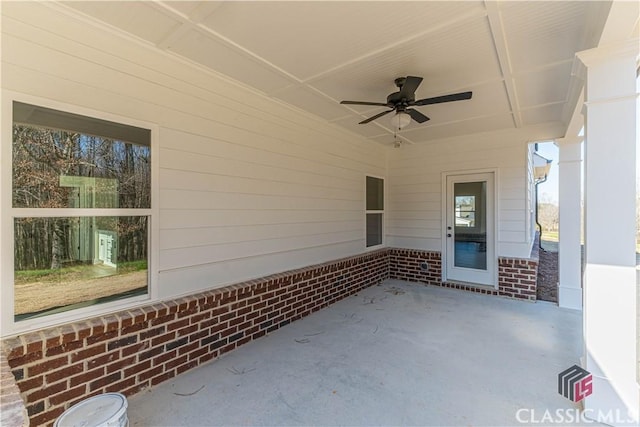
x: 470, y: 199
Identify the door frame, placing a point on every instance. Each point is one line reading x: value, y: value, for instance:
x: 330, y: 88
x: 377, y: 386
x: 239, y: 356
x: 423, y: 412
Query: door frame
x: 492, y: 237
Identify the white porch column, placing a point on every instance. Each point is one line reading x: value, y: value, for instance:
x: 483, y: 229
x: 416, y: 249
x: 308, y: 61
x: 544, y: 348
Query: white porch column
x: 570, y: 262
x: 610, y: 289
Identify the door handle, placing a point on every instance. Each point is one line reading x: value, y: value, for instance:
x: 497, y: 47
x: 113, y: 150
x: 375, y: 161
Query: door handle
x: 449, y: 228
x: 448, y: 234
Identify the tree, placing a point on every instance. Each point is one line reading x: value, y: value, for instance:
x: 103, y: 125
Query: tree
x: 548, y: 216
x: 41, y: 158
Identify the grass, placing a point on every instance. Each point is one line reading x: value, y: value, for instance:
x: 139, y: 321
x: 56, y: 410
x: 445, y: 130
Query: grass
x: 128, y: 267
x: 552, y: 236
x: 74, y: 272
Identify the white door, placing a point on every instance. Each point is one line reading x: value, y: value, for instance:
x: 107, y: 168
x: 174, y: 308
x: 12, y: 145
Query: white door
x: 470, y: 228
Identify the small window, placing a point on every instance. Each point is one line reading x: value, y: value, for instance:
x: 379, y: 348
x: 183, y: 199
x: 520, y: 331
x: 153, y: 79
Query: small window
x: 81, y: 210
x: 374, y: 211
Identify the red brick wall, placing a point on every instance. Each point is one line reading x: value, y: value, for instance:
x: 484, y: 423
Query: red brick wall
x: 415, y: 266
x: 12, y: 410
x: 135, y: 349
x: 516, y: 277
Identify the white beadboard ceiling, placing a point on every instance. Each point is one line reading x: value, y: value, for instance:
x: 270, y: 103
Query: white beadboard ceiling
x: 516, y: 56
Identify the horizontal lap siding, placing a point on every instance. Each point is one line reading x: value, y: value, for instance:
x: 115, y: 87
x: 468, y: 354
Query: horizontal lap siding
x: 247, y: 186
x: 414, y: 214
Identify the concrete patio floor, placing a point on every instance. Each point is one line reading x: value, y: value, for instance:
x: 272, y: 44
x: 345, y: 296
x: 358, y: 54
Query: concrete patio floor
x: 394, y: 354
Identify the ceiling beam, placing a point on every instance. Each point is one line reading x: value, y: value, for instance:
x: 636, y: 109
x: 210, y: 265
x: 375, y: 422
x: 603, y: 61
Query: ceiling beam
x: 500, y: 43
x: 194, y: 23
x: 189, y: 23
x: 622, y: 21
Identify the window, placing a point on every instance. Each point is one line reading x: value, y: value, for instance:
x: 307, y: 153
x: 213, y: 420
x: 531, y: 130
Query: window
x: 374, y: 211
x: 81, y: 209
x: 465, y: 211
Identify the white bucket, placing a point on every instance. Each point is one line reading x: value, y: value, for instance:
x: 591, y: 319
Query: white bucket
x: 104, y: 410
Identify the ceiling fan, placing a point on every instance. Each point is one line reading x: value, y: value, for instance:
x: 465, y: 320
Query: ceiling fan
x: 403, y: 99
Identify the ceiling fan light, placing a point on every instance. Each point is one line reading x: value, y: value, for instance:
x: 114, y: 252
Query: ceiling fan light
x: 400, y: 120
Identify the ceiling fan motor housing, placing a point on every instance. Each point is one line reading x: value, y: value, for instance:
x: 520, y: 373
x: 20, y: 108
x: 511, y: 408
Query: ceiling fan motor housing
x: 395, y: 100
x: 405, y: 97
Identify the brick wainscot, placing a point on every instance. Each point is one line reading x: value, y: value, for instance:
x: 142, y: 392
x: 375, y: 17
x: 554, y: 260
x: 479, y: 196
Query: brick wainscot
x: 516, y: 276
x: 135, y: 349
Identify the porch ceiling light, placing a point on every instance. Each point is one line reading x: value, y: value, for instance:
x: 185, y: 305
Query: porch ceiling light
x: 400, y: 120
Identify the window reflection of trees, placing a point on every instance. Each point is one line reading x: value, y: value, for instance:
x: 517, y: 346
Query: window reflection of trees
x: 61, y: 169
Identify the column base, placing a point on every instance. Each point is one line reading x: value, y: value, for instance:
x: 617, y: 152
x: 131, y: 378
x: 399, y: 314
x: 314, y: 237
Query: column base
x: 569, y: 297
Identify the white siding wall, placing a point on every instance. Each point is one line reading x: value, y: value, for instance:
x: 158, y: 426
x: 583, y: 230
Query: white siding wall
x: 531, y: 194
x: 248, y: 187
x: 414, y: 212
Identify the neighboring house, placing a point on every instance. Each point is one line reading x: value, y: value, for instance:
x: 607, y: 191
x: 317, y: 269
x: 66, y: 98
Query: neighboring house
x: 169, y: 194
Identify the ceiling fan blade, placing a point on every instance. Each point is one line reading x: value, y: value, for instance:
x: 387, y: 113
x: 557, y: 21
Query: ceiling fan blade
x: 417, y: 115
x: 378, y: 104
x: 409, y: 87
x: 365, y: 121
x: 445, y: 98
